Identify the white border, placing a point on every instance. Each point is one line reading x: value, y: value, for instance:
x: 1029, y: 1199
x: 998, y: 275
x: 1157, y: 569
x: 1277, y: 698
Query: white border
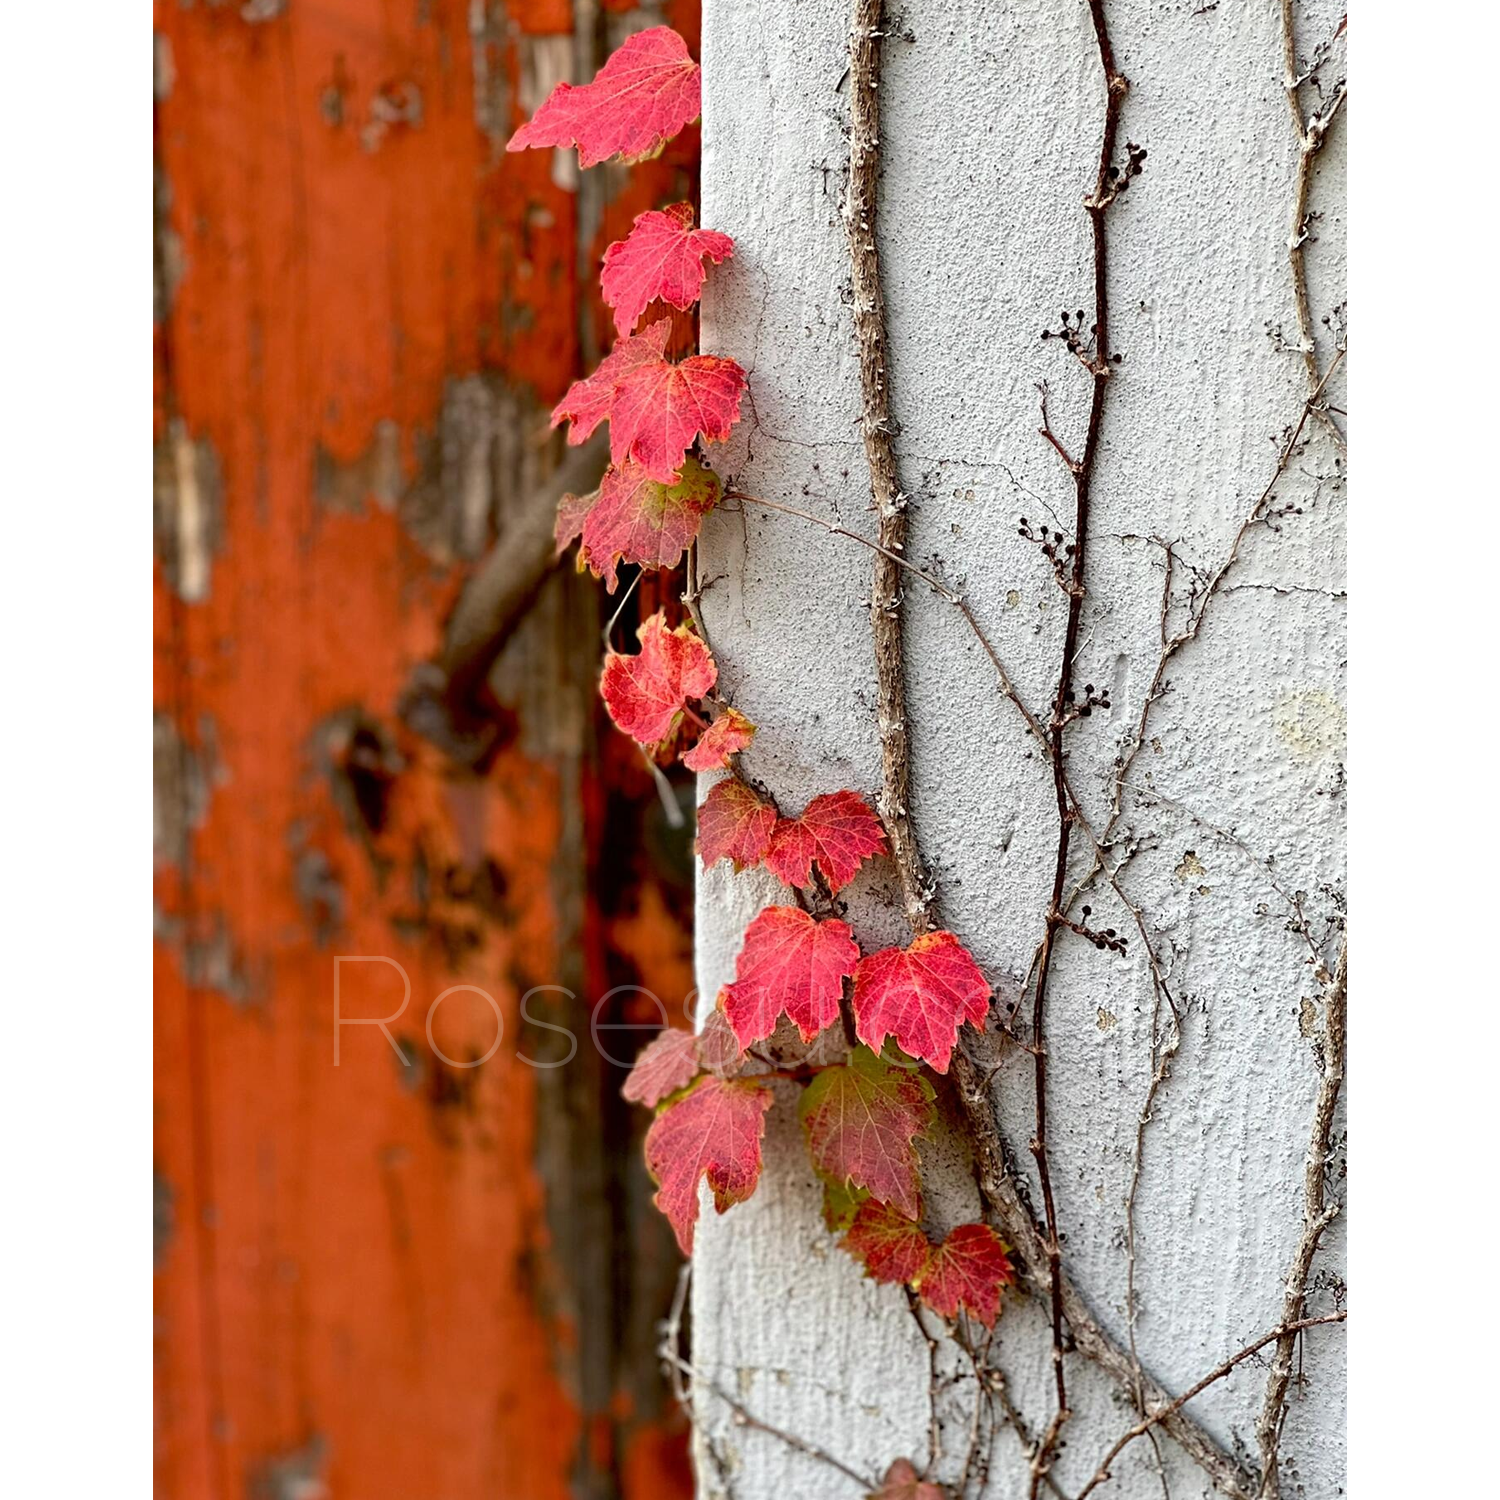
x: 1424, y: 1064
x: 77, y: 763
x: 1424, y: 1074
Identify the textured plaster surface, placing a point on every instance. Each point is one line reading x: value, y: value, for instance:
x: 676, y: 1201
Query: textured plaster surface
x: 990, y: 129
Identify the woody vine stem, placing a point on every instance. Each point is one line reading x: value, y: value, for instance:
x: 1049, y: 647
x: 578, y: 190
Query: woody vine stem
x: 860, y: 211
x: 1040, y: 1249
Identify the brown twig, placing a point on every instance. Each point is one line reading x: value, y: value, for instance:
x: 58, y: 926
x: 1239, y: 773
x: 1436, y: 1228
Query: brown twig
x: 934, y: 1427
x: 860, y: 199
x: 969, y: 1084
x: 1173, y: 643
x: 1292, y: 899
x: 978, y: 1362
x: 1311, y: 131
x: 1163, y: 1053
x: 1082, y: 472
x: 1018, y: 1424
x: 1029, y: 1246
x: 744, y: 1417
x: 1165, y: 1413
x: 943, y: 591
x: 895, y: 558
x: 1317, y: 1215
x: 1002, y: 1199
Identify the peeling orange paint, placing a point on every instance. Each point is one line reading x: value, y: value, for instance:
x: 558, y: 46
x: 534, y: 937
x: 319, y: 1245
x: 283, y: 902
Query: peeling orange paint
x: 356, y: 1290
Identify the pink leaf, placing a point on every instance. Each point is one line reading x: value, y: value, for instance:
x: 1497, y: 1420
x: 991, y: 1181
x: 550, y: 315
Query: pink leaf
x: 734, y: 824
x: 837, y: 830
x: 659, y: 408
x: 643, y: 95
x: 661, y: 258
x: 572, y: 512
x: 637, y: 519
x: 646, y: 693
x: 840, y: 1204
x: 920, y: 995
x: 718, y: 1048
x: 713, y: 1131
x: 902, y: 1482
x: 726, y: 736
x: 587, y: 402
x: 789, y: 963
x: 666, y: 1063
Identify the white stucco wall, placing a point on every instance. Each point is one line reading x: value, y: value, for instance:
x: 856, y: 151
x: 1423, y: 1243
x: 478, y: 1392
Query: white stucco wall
x: 990, y: 131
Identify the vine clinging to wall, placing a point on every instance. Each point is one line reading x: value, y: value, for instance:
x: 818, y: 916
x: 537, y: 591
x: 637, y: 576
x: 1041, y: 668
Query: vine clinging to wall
x: 800, y: 960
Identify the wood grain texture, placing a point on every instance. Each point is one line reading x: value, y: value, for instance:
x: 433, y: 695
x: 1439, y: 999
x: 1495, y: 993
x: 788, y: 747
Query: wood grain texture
x: 389, y: 1277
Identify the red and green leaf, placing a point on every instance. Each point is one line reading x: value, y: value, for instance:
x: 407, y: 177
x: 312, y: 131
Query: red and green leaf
x: 667, y: 1063
x: 968, y: 1270
x: 734, y: 824
x: 789, y: 963
x: 729, y: 733
x: 637, y: 519
x: 862, y: 1122
x: 841, y: 1202
x: 643, y: 95
x: 661, y: 258
x: 838, y: 830
x: 659, y: 408
x: 902, y: 1482
x: 713, y: 1131
x: 890, y: 1246
x: 920, y: 995
x: 587, y: 402
x: 647, y: 693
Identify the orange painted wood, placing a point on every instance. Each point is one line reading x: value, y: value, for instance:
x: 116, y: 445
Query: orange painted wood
x: 358, y: 1285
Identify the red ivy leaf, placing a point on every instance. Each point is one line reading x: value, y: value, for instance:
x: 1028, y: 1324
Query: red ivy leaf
x: 642, y: 96
x: 587, y: 402
x: 661, y: 258
x: 727, y: 735
x: 713, y: 1131
x: 645, y: 694
x: 672, y: 1059
x: 920, y: 995
x: 902, y: 1482
x: 640, y: 520
x: 666, y: 1063
x: 789, y: 963
x: 838, y: 830
x: 718, y: 1047
x: 572, y: 512
x: 659, y: 408
x: 861, y: 1121
x: 967, y: 1270
x: 891, y: 1247
x: 733, y: 823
